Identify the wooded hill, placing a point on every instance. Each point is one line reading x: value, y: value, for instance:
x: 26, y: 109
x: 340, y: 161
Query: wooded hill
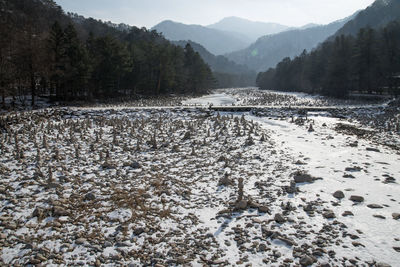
x: 44, y: 51
x: 366, y: 62
x: 365, y: 59
x: 227, y: 73
x: 269, y: 50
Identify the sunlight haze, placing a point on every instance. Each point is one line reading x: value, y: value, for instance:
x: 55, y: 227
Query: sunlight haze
x: 149, y: 13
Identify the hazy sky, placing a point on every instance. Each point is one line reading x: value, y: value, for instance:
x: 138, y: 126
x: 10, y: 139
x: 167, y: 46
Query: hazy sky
x: 148, y: 13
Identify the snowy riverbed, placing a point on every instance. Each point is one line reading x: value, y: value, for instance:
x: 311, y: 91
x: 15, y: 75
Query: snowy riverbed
x: 119, y: 186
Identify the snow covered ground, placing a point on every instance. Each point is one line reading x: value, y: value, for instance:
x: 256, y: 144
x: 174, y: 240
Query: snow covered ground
x: 216, y: 99
x: 191, y: 187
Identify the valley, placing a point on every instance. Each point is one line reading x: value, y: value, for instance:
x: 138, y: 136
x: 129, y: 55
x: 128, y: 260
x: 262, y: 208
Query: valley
x: 188, y: 185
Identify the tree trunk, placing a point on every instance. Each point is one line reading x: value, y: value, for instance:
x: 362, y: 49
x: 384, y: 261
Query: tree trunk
x: 33, y: 89
x: 3, y: 97
x: 159, y: 83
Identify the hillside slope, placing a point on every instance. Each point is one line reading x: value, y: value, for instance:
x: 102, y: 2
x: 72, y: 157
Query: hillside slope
x: 268, y: 50
x: 216, y: 41
x: 252, y: 29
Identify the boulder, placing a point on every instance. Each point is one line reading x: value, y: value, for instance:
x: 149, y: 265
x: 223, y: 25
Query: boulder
x: 241, y: 205
x: 225, y: 181
x: 374, y: 206
x: 279, y: 218
x: 89, y: 197
x: 357, y: 198
x: 329, y: 214
x: 338, y: 194
x: 396, y: 216
x: 306, y: 261
x: 300, y: 177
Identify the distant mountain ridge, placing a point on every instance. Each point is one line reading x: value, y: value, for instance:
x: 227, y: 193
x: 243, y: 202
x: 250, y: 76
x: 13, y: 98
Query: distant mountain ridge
x: 226, y: 36
x: 268, y: 50
x: 216, y: 41
x: 227, y: 72
x: 377, y: 15
x: 252, y: 29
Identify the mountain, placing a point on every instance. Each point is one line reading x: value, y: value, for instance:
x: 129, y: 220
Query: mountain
x: 377, y: 15
x: 362, y: 56
x: 66, y: 57
x: 268, y: 50
x: 309, y: 25
x: 252, y: 29
x: 227, y: 72
x: 216, y: 41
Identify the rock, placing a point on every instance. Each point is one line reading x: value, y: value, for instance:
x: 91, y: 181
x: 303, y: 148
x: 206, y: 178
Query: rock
x: 291, y: 189
x: 89, y: 197
x: 353, y: 169
x: 108, y: 164
x: 339, y: 194
x: 287, y: 241
x: 121, y: 244
x: 357, y: 244
x: 303, y: 178
x: 308, y: 207
x: 279, y: 218
x: 40, y: 213
x: 138, y: 231
x: 306, y: 261
x: 347, y: 213
x: 52, y: 185
x: 389, y: 180
x: 396, y: 216
x: 357, y: 198
x: 135, y: 165
x: 397, y: 249
x: 354, y: 144
x: 382, y: 264
x: 266, y: 232
x: 225, y: 181
x: 107, y: 244
x: 379, y: 216
x: 329, y: 214
x: 60, y: 211
x: 374, y: 206
x: 80, y: 241
x: 186, y: 136
x: 241, y: 205
x: 264, y: 209
x: 3, y: 190
x: 262, y: 247
x: 12, y: 226
x: 373, y: 149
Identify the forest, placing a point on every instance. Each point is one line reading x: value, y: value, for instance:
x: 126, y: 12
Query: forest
x: 45, y: 52
x: 368, y: 62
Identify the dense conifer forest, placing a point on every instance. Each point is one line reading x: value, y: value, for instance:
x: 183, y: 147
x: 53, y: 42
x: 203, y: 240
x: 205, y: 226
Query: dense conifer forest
x: 45, y: 52
x: 368, y: 62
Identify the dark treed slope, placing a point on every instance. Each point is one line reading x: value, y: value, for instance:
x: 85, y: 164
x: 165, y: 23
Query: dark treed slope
x: 268, y: 50
x: 364, y: 60
x: 216, y: 41
x: 252, y: 29
x: 379, y: 14
x: 226, y: 72
x: 43, y: 51
x: 365, y: 63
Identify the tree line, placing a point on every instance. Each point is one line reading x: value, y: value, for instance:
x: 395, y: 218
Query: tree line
x: 367, y: 62
x: 68, y: 59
